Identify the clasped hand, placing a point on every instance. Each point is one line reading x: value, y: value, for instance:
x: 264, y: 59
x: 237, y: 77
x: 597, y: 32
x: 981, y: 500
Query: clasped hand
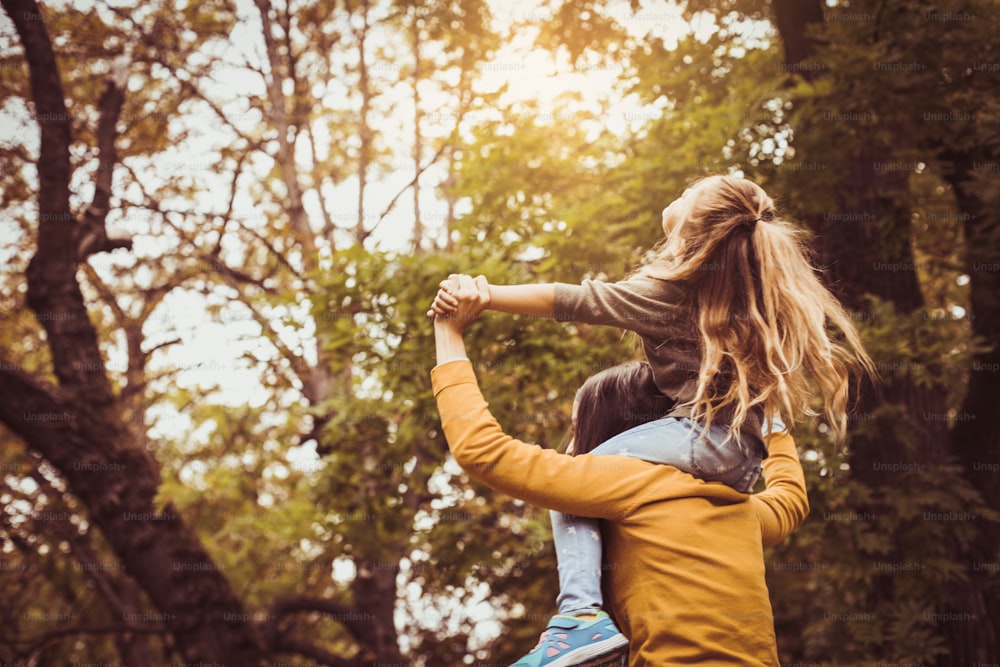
x: 460, y: 300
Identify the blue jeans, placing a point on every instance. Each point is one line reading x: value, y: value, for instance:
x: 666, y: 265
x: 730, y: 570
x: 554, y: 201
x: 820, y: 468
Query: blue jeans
x: 672, y: 441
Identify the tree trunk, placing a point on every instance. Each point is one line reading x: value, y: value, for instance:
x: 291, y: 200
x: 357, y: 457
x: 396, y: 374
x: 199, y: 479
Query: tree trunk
x: 287, y: 133
x: 117, y: 481
x: 375, y: 591
x: 865, y: 259
x: 364, y: 128
x: 791, y: 18
x: 78, y: 425
x: 976, y: 440
x: 331, y: 376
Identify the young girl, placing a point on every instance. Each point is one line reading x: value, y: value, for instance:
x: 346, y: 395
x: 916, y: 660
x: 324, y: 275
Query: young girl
x: 735, y: 324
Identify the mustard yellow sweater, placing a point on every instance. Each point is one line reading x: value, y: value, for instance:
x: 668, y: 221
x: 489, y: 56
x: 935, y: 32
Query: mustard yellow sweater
x: 684, y: 563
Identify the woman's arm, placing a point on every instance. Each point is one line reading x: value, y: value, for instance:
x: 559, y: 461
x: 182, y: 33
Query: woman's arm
x: 784, y: 504
x: 448, y: 343
x: 476, y: 440
x: 602, y: 487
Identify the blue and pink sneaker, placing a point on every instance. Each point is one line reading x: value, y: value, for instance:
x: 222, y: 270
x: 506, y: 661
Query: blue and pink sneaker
x: 569, y: 641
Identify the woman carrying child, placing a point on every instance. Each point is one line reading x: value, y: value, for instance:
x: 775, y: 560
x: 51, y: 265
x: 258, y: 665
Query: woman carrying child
x: 735, y: 324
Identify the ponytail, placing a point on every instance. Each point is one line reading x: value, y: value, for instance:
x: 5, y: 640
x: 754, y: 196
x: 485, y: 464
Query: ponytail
x: 768, y: 325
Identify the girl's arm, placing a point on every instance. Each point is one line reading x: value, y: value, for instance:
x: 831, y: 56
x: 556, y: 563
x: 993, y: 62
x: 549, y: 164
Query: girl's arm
x: 524, y: 299
x: 651, y: 308
x: 538, y: 300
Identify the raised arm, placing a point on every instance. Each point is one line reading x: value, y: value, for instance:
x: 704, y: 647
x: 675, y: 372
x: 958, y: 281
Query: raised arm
x: 604, y: 487
x: 650, y: 307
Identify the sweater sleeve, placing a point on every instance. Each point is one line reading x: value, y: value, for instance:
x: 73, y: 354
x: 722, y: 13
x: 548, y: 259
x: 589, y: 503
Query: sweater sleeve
x: 604, y: 487
x: 784, y: 504
x: 645, y: 305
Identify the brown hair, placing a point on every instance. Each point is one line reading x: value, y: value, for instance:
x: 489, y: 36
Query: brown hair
x: 768, y: 324
x: 615, y: 400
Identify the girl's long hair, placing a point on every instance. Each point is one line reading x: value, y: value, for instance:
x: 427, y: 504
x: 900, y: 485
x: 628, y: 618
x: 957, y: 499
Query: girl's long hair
x: 615, y: 400
x: 768, y: 324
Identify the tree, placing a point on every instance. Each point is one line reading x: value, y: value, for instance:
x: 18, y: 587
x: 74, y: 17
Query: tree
x: 77, y: 425
x: 878, y: 68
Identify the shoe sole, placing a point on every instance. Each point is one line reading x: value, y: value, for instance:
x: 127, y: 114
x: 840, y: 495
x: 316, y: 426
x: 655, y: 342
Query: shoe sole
x: 590, y: 652
x: 614, y: 659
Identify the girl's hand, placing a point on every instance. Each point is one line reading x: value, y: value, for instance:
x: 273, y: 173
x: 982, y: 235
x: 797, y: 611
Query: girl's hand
x: 446, y: 302
x: 470, y: 295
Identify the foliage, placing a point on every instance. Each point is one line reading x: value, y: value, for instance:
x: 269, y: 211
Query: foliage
x: 336, y: 471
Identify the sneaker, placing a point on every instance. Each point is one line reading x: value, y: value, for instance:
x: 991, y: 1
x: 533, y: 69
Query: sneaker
x: 569, y: 641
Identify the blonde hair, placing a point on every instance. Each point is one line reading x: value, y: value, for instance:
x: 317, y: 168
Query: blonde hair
x: 768, y: 325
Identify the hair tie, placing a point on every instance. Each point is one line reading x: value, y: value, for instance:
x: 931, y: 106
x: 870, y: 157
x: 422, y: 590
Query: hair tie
x: 750, y: 222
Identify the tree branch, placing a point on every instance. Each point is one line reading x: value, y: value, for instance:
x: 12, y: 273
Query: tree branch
x: 212, y: 259
x: 93, y: 235
x: 185, y: 83
x: 79, y: 546
x: 348, y: 616
x: 413, y: 181
x: 285, y: 158
x: 39, y: 642
x: 445, y: 145
x: 50, y: 110
x: 28, y: 405
x: 270, y: 247
x: 285, y: 644
x: 106, y: 294
x: 53, y: 293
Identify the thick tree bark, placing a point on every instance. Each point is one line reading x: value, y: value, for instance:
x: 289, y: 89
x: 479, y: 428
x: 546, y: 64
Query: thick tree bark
x: 377, y: 588
x: 874, y: 256
x: 120, y: 593
x: 977, y: 441
x: 78, y: 425
x: 117, y: 481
